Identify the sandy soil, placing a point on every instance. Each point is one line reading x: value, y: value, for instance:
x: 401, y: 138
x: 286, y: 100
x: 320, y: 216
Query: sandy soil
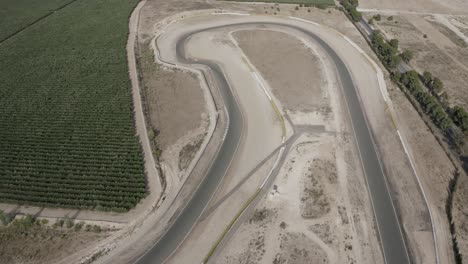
x: 43, y: 245
x: 287, y: 87
x: 426, y: 6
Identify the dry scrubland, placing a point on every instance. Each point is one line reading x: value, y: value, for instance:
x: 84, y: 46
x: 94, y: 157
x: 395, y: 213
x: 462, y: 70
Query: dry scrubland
x: 29, y: 240
x: 66, y: 121
x: 428, y: 6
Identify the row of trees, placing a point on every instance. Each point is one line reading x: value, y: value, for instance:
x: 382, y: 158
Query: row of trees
x: 388, y: 50
x: 458, y: 114
x: 350, y: 6
x: 430, y: 105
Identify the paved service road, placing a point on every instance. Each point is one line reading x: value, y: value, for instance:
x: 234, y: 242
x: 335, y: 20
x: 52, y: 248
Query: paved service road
x: 393, y: 243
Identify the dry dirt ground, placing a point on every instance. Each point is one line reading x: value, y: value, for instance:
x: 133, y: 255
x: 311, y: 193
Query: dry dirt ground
x: 43, y: 243
x: 176, y: 110
x: 423, y: 6
x: 316, y: 211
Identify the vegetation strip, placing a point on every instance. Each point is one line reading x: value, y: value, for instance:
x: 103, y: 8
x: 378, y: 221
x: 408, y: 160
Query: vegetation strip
x: 67, y: 106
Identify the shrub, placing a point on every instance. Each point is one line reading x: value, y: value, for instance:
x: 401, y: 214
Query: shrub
x: 427, y: 78
x: 460, y: 117
x: 68, y: 223
x: 96, y: 229
x: 406, y: 56
x: 79, y: 226
x: 394, y: 43
x: 5, y: 218
x: 437, y: 86
x: 350, y: 6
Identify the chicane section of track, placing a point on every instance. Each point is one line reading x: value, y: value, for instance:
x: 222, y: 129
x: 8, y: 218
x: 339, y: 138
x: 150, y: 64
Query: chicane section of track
x: 392, y: 239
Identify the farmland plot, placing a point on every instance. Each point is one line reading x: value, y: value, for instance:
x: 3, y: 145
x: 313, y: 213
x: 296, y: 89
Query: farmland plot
x: 67, y: 135
x: 16, y: 15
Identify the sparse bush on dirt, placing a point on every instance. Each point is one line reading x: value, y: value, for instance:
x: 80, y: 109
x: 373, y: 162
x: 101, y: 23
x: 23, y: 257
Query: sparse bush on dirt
x: 5, y: 218
x: 283, y: 225
x: 68, y: 223
x: 79, y: 226
x: 97, y: 229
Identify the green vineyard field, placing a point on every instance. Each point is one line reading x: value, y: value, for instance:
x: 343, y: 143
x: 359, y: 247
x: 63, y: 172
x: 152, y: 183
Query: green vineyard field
x: 67, y: 135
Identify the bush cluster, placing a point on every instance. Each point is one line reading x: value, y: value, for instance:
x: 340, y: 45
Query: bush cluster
x: 350, y: 6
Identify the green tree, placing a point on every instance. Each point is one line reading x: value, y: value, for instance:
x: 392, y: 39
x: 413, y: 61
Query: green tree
x: 394, y: 43
x: 68, y: 223
x: 377, y: 17
x: 406, y: 55
x: 394, y: 61
x: 356, y: 15
x: 427, y: 78
x: 460, y: 117
x: 437, y: 86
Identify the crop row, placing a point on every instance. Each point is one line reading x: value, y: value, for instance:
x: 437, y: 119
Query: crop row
x: 66, y: 113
